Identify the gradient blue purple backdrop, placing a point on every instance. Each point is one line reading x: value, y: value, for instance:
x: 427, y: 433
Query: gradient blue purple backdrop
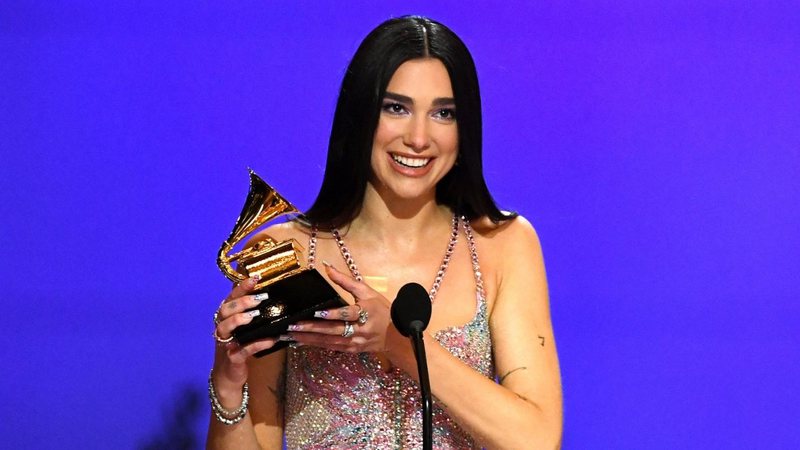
x: 654, y: 145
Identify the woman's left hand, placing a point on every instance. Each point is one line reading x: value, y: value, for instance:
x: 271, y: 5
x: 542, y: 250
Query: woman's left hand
x: 361, y: 327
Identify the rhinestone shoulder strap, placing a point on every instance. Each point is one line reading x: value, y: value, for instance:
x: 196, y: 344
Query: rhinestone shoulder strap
x: 473, y: 250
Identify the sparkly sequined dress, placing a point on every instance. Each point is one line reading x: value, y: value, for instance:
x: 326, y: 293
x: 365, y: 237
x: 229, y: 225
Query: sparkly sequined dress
x: 346, y: 400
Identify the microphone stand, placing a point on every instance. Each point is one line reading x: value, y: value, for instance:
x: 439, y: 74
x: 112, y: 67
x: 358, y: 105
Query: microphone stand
x: 424, y: 383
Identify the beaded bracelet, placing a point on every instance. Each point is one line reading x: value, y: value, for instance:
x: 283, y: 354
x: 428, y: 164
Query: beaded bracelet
x: 223, y: 415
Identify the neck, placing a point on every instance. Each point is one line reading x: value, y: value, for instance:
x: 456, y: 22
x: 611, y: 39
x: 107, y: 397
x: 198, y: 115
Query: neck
x: 385, y: 218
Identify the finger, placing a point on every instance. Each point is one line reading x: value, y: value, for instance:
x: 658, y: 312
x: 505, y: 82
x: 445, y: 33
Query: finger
x: 347, y: 313
x: 243, y: 288
x: 329, y: 328
x: 348, y: 283
x: 240, y: 304
x: 239, y: 354
x: 226, y: 327
x: 339, y: 342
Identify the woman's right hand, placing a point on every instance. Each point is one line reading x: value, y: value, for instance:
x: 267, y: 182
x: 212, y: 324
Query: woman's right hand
x: 230, y: 360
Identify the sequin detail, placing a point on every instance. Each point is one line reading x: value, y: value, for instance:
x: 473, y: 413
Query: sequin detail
x: 346, y: 400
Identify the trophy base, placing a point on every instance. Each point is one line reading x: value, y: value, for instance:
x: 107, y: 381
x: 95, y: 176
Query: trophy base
x: 291, y: 300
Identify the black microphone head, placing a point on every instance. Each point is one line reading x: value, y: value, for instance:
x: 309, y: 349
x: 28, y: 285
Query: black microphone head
x: 413, y: 304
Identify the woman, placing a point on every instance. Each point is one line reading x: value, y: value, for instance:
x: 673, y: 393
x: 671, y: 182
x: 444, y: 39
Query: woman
x: 404, y: 167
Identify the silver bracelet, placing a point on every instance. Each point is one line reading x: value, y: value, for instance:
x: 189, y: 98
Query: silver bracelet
x: 223, y: 415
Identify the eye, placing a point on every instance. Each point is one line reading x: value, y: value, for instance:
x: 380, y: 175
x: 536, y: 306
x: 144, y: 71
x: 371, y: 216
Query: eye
x: 394, y: 108
x: 445, y: 114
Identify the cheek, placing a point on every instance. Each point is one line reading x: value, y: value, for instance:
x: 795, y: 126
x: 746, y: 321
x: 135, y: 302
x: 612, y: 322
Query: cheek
x: 449, y: 141
x: 384, y: 133
x: 378, y: 140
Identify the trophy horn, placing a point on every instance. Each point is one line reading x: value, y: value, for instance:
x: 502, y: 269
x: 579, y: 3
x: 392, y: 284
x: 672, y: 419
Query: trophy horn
x: 271, y: 260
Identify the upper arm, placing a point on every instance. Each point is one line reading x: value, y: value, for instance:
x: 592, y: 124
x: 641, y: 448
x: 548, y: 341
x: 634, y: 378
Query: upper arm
x: 522, y: 333
x: 265, y: 380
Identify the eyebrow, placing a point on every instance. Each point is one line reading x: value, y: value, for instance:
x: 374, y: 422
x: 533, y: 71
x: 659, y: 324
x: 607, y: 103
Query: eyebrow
x: 440, y: 101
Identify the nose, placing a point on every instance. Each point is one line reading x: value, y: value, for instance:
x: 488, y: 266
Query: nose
x: 417, y: 135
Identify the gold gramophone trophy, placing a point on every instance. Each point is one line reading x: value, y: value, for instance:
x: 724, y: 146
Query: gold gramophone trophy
x: 295, y: 291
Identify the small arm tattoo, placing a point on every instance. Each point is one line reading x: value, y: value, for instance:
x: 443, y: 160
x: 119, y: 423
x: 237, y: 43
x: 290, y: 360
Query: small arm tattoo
x: 510, y: 372
x: 279, y: 391
x: 541, y: 341
x: 280, y: 387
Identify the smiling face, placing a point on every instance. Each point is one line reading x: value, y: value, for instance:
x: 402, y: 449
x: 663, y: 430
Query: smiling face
x: 416, y: 140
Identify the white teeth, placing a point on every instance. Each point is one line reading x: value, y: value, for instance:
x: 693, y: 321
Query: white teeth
x: 411, y: 162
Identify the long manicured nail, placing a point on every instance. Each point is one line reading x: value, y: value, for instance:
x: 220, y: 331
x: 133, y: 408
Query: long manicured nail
x: 294, y: 327
x: 254, y: 313
x: 261, y: 297
x: 285, y: 338
x: 327, y: 264
x: 321, y: 314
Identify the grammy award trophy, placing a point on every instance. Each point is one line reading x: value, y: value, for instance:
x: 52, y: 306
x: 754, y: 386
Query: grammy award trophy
x: 295, y: 291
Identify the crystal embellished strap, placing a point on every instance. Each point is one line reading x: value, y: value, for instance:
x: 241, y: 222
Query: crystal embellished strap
x: 446, y: 260
x: 348, y: 258
x: 473, y: 250
x: 312, y: 247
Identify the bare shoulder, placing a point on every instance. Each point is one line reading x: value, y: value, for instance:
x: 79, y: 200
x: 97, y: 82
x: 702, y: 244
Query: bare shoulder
x: 510, y: 235
x: 510, y: 258
x: 282, y: 232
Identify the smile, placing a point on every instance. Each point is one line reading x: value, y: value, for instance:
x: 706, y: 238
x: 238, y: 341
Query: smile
x: 414, y: 163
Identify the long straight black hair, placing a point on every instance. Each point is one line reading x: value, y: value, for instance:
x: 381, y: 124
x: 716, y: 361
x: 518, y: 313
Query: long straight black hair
x: 348, y: 168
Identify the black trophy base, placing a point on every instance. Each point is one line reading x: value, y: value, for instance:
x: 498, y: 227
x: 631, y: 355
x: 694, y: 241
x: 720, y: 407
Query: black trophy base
x: 290, y: 300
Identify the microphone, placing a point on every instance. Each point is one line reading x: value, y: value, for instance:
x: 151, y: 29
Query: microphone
x: 411, y: 312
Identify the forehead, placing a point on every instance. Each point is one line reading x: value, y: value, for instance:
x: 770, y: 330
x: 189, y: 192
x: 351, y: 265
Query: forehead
x: 421, y: 78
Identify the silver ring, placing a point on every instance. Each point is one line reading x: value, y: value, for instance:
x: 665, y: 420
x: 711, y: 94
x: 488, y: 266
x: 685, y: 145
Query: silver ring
x: 363, y: 315
x: 216, y: 318
x: 349, y: 330
x: 220, y: 340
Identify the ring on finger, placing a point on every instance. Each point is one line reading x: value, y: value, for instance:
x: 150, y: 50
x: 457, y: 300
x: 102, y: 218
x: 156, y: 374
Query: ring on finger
x: 363, y: 315
x: 216, y: 318
x: 221, y: 340
x: 349, y: 330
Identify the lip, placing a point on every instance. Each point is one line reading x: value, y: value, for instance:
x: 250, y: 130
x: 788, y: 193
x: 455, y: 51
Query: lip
x: 410, y: 171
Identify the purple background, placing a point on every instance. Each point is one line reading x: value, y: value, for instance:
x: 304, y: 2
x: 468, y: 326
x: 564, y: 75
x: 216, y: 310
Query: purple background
x: 654, y: 145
